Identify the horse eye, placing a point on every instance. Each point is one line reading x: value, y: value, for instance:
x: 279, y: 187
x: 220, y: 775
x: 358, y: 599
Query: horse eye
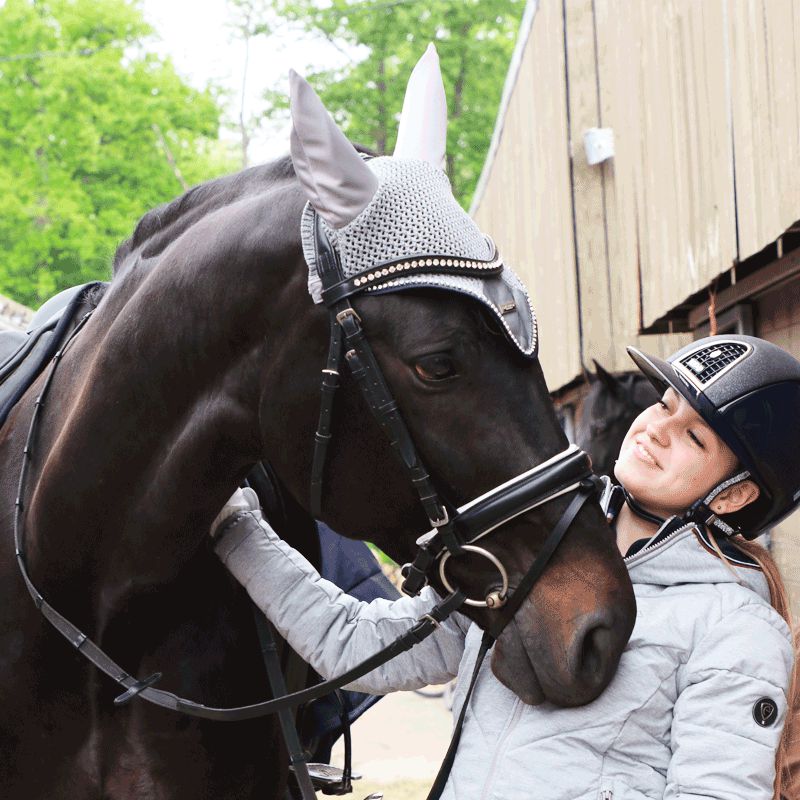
x: 438, y: 367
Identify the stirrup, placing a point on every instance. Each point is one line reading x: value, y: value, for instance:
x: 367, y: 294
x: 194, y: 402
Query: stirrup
x: 329, y: 779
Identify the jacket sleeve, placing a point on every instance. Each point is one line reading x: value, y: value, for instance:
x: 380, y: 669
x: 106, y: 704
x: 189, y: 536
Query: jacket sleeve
x: 735, y: 674
x: 327, y: 627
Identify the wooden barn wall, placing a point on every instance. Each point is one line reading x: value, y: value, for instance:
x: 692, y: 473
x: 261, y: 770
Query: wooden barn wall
x: 765, y: 80
x: 703, y: 101
x: 526, y: 205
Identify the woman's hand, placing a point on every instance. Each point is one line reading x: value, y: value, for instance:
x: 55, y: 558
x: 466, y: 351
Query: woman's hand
x: 241, y: 500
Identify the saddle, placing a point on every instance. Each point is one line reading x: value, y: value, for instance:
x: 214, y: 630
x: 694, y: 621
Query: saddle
x: 24, y: 354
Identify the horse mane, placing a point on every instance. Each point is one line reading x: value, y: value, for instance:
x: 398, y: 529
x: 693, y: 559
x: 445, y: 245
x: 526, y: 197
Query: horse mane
x: 163, y: 224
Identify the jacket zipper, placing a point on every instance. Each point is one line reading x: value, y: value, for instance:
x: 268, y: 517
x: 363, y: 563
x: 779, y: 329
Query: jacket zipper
x: 607, y: 794
x: 515, y: 715
x: 655, y: 546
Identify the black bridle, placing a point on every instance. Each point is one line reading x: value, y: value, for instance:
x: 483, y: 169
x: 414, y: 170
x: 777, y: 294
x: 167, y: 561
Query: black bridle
x: 454, y: 531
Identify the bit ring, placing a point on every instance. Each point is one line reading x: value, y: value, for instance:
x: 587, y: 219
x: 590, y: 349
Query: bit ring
x: 478, y: 551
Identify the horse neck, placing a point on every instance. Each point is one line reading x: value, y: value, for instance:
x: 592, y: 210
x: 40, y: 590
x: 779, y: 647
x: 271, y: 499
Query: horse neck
x: 157, y: 415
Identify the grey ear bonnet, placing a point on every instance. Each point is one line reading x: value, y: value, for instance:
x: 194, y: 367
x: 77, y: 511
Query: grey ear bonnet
x: 414, y: 214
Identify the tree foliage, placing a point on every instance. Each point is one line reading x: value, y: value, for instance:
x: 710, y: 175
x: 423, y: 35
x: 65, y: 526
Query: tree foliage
x: 474, y: 38
x: 93, y: 131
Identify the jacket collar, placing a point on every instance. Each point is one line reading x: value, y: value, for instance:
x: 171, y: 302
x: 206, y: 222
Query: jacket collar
x: 681, y: 553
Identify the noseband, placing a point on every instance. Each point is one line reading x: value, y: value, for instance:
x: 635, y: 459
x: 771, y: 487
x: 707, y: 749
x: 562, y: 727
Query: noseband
x: 454, y: 531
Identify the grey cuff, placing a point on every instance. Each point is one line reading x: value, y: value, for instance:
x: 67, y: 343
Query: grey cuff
x: 235, y: 530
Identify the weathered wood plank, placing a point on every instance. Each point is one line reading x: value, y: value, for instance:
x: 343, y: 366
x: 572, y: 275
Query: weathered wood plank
x: 526, y: 203
x: 587, y: 186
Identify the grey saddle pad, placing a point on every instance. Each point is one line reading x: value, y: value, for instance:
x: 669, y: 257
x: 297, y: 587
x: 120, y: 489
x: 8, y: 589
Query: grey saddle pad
x: 23, y: 355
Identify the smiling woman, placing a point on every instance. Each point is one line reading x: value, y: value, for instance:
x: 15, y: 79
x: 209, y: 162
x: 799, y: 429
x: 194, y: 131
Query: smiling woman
x: 670, y: 456
x: 718, y: 453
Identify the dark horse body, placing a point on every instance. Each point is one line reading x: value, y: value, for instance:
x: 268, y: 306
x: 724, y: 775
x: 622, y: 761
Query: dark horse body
x: 202, y: 358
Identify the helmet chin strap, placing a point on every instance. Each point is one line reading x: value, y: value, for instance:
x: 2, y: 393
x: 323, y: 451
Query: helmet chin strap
x: 637, y: 509
x: 699, y: 512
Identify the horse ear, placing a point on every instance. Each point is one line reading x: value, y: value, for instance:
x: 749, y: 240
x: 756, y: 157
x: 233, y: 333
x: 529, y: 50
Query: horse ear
x: 335, y: 178
x: 423, y: 123
x: 606, y: 378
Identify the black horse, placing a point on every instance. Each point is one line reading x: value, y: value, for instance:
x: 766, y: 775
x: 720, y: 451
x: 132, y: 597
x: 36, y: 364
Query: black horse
x: 202, y: 358
x: 607, y: 411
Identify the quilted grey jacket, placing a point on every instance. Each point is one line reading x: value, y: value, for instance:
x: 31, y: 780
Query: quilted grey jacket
x: 677, y: 720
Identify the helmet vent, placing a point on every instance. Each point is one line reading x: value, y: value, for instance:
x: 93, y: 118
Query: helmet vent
x: 706, y: 364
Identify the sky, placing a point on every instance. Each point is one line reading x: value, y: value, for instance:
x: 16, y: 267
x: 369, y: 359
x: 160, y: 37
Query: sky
x: 198, y: 39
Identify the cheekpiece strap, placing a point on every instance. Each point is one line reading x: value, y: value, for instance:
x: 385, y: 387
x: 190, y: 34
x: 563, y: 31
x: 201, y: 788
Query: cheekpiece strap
x: 364, y: 368
x: 322, y: 438
x: 346, y: 329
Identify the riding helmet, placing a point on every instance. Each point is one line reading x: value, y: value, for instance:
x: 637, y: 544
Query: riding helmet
x: 748, y: 391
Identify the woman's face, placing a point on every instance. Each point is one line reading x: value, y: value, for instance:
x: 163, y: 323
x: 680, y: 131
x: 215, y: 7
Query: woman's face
x: 670, y: 457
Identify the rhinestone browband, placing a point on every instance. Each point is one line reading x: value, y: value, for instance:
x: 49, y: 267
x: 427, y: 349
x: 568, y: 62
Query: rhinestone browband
x: 448, y: 265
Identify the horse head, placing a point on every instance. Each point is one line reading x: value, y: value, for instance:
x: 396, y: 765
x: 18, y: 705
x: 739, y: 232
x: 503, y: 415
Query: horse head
x: 454, y: 336
x: 205, y: 357
x: 610, y: 406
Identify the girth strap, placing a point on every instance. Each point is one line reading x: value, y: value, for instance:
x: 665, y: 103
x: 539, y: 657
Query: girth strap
x: 297, y: 757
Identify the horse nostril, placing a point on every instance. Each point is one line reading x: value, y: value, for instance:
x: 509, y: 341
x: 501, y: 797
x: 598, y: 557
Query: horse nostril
x: 594, y: 653
x: 596, y: 650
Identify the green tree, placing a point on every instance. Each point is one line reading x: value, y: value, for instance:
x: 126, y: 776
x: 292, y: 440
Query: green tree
x: 94, y: 130
x: 474, y: 38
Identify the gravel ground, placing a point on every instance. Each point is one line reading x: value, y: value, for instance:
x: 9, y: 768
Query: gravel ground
x: 398, y: 746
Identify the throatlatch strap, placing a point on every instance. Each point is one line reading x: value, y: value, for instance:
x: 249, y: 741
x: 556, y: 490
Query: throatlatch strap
x: 447, y: 765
